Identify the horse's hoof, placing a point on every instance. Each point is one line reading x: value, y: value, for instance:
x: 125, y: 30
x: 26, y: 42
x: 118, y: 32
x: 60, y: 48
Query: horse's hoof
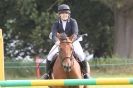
x: 45, y: 76
x: 86, y: 76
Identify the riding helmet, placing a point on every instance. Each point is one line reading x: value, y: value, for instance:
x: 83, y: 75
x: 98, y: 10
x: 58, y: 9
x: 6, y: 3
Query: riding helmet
x: 64, y: 8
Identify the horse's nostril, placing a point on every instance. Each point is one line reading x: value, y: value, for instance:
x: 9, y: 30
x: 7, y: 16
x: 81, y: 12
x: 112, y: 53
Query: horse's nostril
x: 67, y: 68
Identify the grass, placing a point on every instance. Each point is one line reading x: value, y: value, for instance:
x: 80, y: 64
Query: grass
x: 111, y: 67
x: 112, y: 71
x: 100, y: 67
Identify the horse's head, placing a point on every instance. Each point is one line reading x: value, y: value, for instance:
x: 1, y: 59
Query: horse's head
x: 66, y: 52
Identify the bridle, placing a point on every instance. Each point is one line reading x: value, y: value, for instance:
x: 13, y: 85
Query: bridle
x: 64, y: 58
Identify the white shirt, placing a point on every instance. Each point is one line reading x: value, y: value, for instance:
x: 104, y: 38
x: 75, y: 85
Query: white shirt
x: 64, y: 24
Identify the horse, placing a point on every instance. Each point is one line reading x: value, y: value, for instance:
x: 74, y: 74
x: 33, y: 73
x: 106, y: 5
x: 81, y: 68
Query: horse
x: 66, y: 65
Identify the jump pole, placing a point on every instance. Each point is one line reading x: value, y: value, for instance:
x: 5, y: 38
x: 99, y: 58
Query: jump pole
x: 68, y: 82
x: 2, y: 75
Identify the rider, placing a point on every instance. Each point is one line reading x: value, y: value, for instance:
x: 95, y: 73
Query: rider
x: 65, y: 24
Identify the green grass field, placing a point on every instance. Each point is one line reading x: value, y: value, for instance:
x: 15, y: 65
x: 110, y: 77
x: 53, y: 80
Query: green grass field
x: 105, y: 68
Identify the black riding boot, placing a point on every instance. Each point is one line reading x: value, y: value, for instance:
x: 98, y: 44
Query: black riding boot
x: 48, y: 70
x: 85, y: 69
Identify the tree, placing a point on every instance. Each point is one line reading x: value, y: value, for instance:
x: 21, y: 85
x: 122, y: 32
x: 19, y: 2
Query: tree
x: 123, y: 16
x: 26, y: 25
x: 95, y: 19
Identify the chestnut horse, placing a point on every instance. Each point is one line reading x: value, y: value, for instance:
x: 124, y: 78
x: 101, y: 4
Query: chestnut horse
x: 66, y: 66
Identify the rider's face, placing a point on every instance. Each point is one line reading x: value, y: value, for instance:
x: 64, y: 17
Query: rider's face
x: 64, y: 16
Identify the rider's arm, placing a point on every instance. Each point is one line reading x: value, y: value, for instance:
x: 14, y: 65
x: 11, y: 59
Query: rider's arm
x: 75, y: 29
x: 54, y: 32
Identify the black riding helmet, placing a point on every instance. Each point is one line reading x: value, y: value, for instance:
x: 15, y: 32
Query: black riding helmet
x: 64, y: 8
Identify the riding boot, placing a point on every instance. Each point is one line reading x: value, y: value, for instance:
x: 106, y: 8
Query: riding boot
x: 85, y: 69
x: 48, y: 70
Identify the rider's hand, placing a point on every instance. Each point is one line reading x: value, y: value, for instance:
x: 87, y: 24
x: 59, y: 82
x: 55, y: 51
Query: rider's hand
x: 57, y: 42
x: 74, y: 37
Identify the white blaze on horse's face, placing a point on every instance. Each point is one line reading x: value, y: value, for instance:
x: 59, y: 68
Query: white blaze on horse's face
x: 66, y: 49
x: 66, y: 55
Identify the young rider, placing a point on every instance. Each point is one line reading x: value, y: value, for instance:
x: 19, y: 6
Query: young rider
x: 65, y: 24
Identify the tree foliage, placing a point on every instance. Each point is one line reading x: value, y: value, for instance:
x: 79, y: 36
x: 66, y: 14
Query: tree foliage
x: 27, y: 24
x: 95, y: 19
x: 123, y: 14
x: 27, y: 27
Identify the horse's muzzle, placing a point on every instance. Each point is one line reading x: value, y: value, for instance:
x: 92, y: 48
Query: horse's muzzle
x: 67, y: 64
x: 67, y: 68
